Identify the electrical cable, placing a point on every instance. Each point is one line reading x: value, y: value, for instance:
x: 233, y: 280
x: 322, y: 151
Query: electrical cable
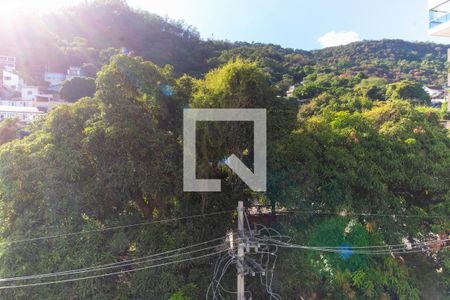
x: 108, y: 274
x: 345, y: 249
x: 345, y: 214
x: 111, y: 228
x: 121, y: 264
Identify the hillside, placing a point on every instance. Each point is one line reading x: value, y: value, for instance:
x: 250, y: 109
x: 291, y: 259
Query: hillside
x: 391, y: 59
x: 87, y: 34
x: 93, y: 203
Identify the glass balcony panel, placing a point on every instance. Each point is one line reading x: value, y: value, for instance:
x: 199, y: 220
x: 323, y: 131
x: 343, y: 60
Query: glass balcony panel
x: 439, y: 14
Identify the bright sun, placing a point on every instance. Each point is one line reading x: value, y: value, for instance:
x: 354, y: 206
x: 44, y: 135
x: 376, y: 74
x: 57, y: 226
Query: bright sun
x: 16, y: 6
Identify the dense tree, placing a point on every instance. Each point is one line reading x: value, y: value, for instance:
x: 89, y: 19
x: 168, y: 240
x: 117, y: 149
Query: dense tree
x: 238, y: 84
x: 77, y: 88
x: 9, y: 130
x: 354, y: 161
x: 372, y: 160
x: 374, y: 88
x: 111, y: 159
x: 407, y: 90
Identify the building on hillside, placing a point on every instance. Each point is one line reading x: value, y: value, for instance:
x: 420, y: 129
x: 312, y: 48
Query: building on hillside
x: 12, y: 81
x: 290, y: 91
x: 439, y: 23
x: 45, y: 102
x: 16, y: 102
x: 74, y: 72
x: 437, y: 95
x: 29, y: 93
x: 55, y: 81
x: 54, y: 78
x: 7, y: 63
x: 24, y: 114
x: 55, y: 88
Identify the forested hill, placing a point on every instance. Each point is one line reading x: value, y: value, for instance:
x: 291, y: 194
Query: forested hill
x: 392, y: 59
x: 88, y: 34
x: 91, y: 197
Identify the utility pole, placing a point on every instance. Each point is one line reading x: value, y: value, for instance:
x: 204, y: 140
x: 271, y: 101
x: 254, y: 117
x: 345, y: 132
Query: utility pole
x: 240, y: 253
x: 240, y: 244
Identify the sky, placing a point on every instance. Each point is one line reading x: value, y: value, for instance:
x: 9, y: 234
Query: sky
x: 301, y: 24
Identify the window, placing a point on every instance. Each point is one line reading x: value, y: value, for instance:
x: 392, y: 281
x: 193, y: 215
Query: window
x: 30, y: 92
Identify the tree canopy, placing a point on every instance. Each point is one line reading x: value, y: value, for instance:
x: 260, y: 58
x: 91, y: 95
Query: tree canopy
x: 115, y: 158
x: 77, y: 88
x: 355, y: 159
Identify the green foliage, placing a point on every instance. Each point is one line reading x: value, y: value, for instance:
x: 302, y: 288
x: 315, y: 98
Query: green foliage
x: 393, y: 60
x: 444, y: 111
x: 353, y: 274
x: 103, y: 163
x: 114, y: 158
x: 9, y: 130
x: 237, y: 84
x: 308, y: 91
x: 407, y: 90
x: 373, y: 88
x: 179, y: 296
x: 77, y: 88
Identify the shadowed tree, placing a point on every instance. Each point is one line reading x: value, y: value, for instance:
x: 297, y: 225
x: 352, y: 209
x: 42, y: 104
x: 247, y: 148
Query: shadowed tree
x: 77, y: 88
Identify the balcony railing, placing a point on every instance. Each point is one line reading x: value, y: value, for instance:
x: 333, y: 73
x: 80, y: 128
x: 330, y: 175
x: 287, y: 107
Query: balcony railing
x: 439, y: 14
x: 440, y: 20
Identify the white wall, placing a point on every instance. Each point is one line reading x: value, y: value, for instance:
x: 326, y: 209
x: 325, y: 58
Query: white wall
x: 74, y: 72
x: 25, y: 116
x: 12, y: 81
x: 54, y: 78
x: 28, y: 93
x: 20, y: 103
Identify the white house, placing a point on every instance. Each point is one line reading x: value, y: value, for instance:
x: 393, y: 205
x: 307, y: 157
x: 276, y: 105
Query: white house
x: 434, y: 93
x: 74, y: 72
x: 45, y: 102
x: 12, y: 81
x: 7, y: 62
x: 439, y: 25
x: 25, y: 114
x: 437, y: 102
x: 16, y: 102
x: 290, y: 91
x: 29, y: 93
x: 54, y: 78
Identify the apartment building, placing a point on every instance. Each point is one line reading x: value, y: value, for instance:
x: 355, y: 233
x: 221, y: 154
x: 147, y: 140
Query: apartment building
x: 439, y: 24
x: 7, y: 62
x: 24, y: 114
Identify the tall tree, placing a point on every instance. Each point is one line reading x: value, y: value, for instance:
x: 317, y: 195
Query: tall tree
x: 77, y: 88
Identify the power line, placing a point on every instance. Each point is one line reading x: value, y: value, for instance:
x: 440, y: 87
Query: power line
x: 111, y: 228
x: 124, y: 263
x: 345, y: 214
x: 388, y: 249
x: 108, y: 274
x: 388, y: 246
x: 349, y: 249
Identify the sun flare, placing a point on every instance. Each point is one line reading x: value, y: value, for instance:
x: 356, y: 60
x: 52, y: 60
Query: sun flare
x: 11, y: 8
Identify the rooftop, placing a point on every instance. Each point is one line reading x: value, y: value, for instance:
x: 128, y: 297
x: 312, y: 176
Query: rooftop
x: 19, y: 109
